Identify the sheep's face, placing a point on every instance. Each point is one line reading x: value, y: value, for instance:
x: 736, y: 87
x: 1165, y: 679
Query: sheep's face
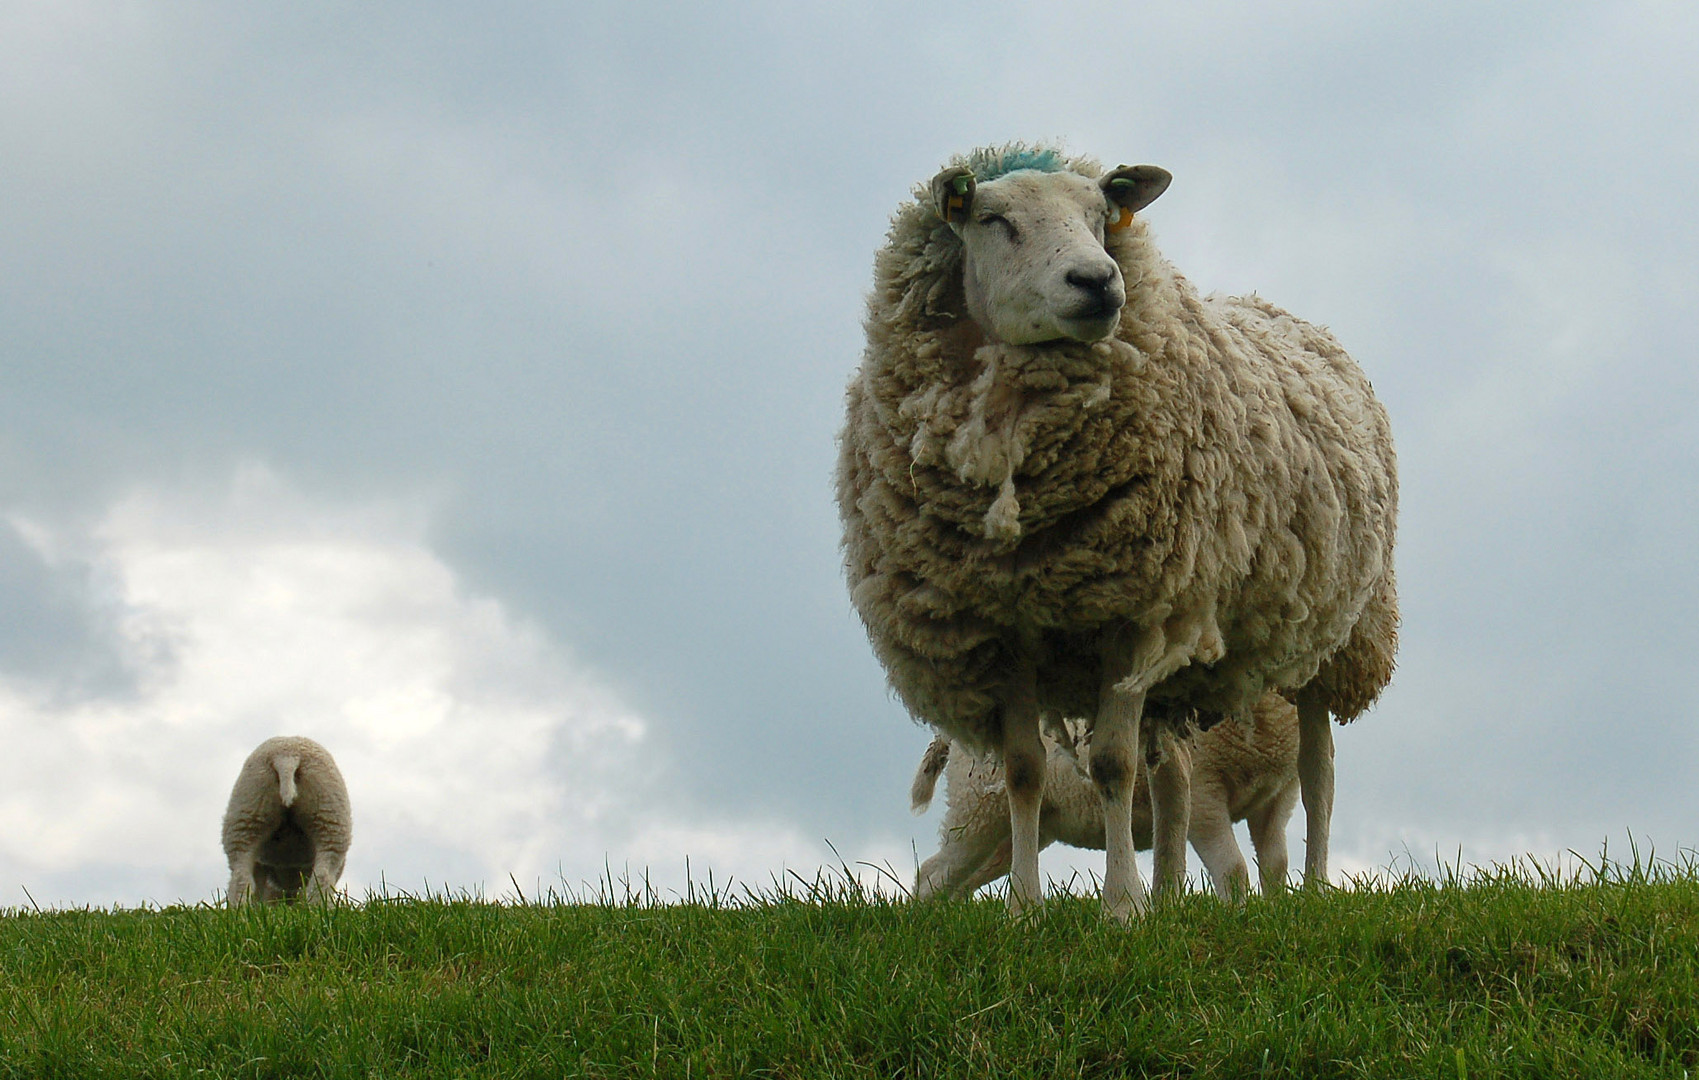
x: 1034, y: 268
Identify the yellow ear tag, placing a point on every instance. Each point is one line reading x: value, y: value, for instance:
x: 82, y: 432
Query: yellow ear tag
x: 1125, y: 221
x: 952, y: 204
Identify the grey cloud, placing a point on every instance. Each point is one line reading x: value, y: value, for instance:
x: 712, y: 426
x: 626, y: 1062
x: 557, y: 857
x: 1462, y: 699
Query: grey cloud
x: 592, y: 277
x: 59, y: 632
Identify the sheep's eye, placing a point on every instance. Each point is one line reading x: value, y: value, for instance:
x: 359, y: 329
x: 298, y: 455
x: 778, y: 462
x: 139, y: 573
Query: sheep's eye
x: 999, y: 219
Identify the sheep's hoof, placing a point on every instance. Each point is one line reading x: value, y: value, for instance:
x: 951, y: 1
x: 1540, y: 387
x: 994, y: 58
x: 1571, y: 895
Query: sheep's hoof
x: 1024, y: 909
x: 1122, y: 909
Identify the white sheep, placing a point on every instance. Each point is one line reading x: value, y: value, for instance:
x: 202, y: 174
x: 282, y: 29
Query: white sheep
x: 288, y: 825
x: 1070, y: 484
x: 1240, y: 772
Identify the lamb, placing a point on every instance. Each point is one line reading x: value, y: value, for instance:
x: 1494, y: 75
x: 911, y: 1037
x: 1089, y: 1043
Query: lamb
x: 1069, y: 484
x: 288, y: 825
x: 1239, y: 773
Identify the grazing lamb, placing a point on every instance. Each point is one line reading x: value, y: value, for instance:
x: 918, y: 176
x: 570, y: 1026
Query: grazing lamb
x: 1069, y: 484
x: 288, y: 824
x: 1240, y: 772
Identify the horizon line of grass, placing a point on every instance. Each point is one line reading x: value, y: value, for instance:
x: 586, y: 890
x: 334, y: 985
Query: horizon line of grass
x: 842, y: 883
x: 1519, y: 969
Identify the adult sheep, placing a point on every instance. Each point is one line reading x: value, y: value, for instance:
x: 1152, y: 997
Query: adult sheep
x: 1068, y: 483
x: 288, y: 825
x: 1239, y: 772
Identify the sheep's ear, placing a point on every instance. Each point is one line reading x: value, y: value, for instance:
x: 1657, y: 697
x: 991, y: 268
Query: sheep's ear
x: 952, y: 193
x: 1134, y: 187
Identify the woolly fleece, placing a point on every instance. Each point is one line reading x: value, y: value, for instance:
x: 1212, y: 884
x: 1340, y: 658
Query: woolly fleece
x: 1216, y: 479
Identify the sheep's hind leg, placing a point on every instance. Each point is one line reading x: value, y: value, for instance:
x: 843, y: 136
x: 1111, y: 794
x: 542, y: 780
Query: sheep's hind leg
x: 1114, y: 747
x: 1315, y: 780
x: 242, y: 885
x: 1023, y: 774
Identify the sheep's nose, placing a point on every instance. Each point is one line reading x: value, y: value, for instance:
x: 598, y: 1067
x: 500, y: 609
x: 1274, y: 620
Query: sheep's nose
x: 1095, y: 282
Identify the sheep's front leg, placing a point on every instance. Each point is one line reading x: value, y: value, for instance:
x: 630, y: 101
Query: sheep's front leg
x: 1023, y: 774
x: 1114, y: 761
x: 267, y: 888
x: 1170, y: 765
x: 1315, y: 782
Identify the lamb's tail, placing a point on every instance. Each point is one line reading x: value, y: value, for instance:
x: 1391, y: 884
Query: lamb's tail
x: 926, y: 777
x: 286, y: 764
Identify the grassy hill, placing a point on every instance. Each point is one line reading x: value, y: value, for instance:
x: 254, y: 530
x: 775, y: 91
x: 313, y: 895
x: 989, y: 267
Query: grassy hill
x: 1500, y: 973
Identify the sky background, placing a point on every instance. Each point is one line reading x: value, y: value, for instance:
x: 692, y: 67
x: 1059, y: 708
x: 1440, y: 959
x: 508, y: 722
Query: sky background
x: 459, y: 387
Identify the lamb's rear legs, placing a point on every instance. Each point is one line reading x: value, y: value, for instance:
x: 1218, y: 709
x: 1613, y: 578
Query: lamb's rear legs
x: 1315, y: 781
x: 995, y: 866
x: 1268, y: 836
x: 1212, y: 835
x: 1168, y: 759
x: 962, y: 865
x: 1024, y: 767
x: 1114, y: 749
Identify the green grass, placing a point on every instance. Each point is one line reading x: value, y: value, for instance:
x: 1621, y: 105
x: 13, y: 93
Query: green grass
x: 1507, y: 972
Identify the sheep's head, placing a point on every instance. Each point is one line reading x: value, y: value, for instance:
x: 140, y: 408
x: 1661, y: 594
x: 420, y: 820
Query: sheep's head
x: 1034, y: 268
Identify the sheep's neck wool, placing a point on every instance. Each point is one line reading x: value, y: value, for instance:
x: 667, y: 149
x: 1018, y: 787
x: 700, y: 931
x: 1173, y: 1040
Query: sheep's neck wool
x: 1025, y: 402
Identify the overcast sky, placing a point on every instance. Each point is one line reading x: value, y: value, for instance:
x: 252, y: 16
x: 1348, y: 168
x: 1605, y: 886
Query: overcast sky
x: 458, y: 386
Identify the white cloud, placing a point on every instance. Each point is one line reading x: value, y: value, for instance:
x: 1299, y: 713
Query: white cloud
x: 474, y: 747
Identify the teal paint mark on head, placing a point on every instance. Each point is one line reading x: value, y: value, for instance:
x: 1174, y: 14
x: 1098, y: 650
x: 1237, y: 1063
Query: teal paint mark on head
x: 988, y: 163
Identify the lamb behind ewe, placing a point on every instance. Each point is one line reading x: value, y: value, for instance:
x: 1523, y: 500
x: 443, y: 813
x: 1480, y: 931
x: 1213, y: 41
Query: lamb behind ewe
x: 1239, y: 771
x: 1070, y: 484
x: 288, y: 825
